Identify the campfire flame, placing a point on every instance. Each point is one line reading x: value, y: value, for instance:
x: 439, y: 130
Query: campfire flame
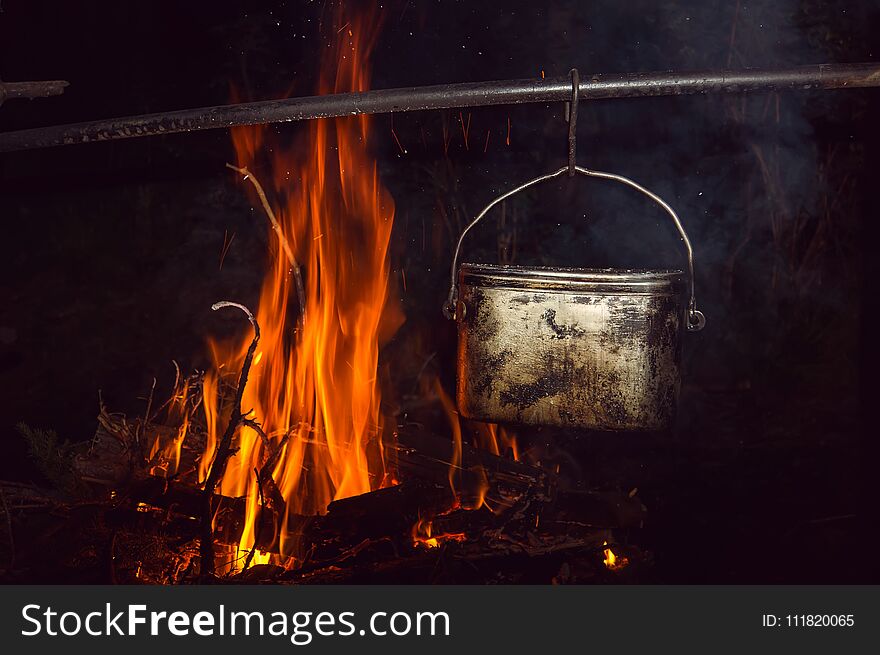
x: 612, y: 561
x: 326, y: 306
x: 455, y: 425
x: 164, y: 456
x: 470, y: 498
x: 487, y: 436
x: 497, y: 440
x: 422, y: 535
x: 315, y: 376
x: 469, y: 486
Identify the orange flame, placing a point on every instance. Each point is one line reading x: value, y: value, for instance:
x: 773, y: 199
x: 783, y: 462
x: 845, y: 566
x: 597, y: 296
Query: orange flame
x: 455, y: 425
x: 497, y: 440
x: 165, y: 452
x: 612, y: 561
x: 489, y: 436
x: 210, y: 399
x: 422, y: 534
x: 317, y: 380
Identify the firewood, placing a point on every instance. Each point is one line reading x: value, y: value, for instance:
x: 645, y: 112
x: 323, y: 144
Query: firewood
x: 224, y: 449
x: 520, y: 511
x: 107, y: 462
x: 423, y: 456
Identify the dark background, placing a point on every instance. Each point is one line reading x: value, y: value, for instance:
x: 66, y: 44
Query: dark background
x: 112, y: 251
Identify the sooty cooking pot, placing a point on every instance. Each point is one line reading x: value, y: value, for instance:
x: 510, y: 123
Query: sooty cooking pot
x: 589, y: 348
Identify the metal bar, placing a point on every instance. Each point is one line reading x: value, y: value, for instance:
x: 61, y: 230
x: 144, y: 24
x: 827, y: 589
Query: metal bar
x: 30, y: 90
x: 445, y: 96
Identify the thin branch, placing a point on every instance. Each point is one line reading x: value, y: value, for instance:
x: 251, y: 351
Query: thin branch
x: 143, y: 427
x: 176, y: 373
x: 297, y: 274
x: 256, y: 427
x: 224, y: 447
x: 264, y: 476
x: 250, y: 555
x: 272, y: 460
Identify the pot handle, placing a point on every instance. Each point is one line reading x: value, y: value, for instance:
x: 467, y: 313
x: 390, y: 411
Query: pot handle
x: 696, y: 320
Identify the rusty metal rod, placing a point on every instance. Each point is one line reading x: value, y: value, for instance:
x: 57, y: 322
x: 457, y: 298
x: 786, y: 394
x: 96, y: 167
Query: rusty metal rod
x: 445, y: 96
x: 30, y: 90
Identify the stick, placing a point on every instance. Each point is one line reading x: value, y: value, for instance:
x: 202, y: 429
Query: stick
x: 137, y: 432
x: 264, y: 476
x: 297, y: 275
x: 256, y: 427
x: 259, y: 524
x: 30, y: 90
x: 224, y: 448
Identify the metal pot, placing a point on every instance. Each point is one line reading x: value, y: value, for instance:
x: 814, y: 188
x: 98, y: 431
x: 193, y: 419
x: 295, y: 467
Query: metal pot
x: 589, y: 348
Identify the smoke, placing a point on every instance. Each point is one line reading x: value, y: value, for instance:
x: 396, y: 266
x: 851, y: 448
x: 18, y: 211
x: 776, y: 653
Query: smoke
x: 744, y: 172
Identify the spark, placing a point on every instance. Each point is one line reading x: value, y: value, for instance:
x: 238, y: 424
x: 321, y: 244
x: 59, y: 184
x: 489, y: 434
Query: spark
x: 227, y: 242
x: 465, y: 129
x: 397, y: 141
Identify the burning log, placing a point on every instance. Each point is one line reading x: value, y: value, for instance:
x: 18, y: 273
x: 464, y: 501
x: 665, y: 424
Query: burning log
x: 145, y: 479
x: 524, y: 523
x: 500, y: 506
x: 423, y: 462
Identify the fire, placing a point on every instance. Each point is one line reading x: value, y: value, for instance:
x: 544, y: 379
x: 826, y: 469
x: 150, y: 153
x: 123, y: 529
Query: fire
x: 469, y: 486
x: 488, y: 436
x: 326, y: 306
x: 455, y: 425
x: 497, y: 440
x: 473, y: 494
x: 315, y: 375
x: 422, y: 534
x: 164, y: 456
x: 612, y: 561
x: 210, y: 399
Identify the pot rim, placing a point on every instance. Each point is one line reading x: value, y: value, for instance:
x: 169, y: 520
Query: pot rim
x: 631, y: 280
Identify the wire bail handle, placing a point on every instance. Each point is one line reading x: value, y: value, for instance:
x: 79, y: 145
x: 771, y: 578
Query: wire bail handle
x: 695, y: 319
x: 572, y: 121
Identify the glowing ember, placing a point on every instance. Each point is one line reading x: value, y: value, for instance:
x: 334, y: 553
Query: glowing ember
x: 422, y: 535
x: 612, y: 561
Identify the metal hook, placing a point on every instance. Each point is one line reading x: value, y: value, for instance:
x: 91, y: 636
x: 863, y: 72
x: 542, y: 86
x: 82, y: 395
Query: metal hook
x: 572, y: 122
